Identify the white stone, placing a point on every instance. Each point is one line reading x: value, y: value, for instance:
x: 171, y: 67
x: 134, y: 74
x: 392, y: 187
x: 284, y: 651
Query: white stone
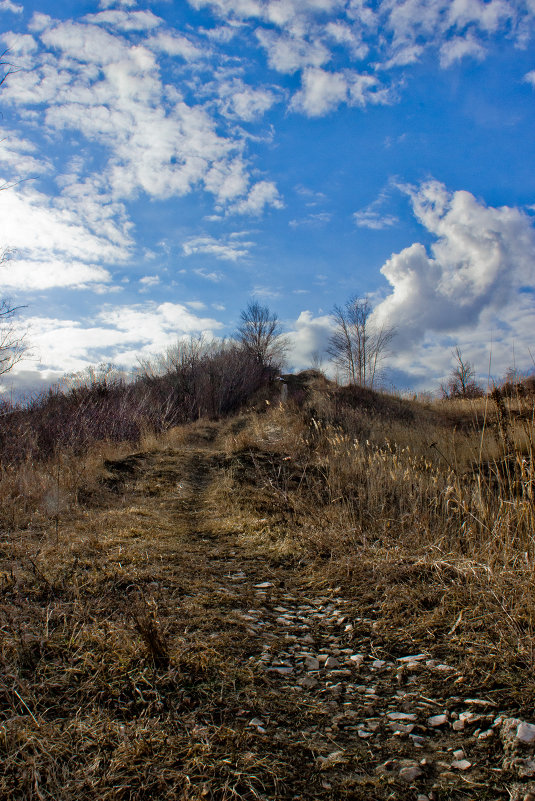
x: 410, y: 774
x: 437, y: 720
x: 461, y: 764
x: 401, y: 716
x: 413, y: 658
x: 525, y: 732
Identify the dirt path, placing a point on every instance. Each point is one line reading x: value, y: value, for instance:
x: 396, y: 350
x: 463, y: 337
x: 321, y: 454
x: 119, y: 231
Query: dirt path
x: 225, y: 675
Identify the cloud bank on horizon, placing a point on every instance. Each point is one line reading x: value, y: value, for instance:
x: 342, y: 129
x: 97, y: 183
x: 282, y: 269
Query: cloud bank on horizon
x: 163, y: 164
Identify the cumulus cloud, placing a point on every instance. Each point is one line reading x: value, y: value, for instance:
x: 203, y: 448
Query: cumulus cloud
x: 288, y: 54
x: 175, y: 44
x: 529, y: 77
x: 308, y: 336
x: 478, y: 266
x: 324, y: 91
x: 262, y: 194
x: 244, y: 102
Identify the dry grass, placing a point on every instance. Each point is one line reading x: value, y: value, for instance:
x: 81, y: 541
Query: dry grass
x: 429, y: 518
x: 125, y: 674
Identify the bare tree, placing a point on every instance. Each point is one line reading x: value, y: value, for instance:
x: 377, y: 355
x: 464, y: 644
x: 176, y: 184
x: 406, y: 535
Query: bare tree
x: 259, y: 332
x: 357, y: 345
x: 5, y: 67
x: 12, y: 341
x: 462, y: 383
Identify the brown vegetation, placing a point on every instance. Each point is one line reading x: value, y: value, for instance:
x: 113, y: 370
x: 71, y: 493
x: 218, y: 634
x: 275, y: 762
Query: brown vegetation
x: 126, y: 673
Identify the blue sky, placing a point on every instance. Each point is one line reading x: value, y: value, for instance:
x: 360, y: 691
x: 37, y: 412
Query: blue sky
x: 171, y: 161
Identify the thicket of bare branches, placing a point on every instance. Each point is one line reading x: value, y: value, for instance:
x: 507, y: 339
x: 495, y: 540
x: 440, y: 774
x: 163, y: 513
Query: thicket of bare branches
x: 193, y: 379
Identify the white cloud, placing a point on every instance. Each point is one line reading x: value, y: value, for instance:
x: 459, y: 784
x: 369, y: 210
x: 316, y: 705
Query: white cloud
x: 458, y: 48
x: 372, y: 215
x: 313, y: 220
x: 213, y: 276
x: 120, y: 334
x: 38, y: 227
x: 298, y: 35
x: 150, y: 280
x: 174, y: 44
x: 529, y: 77
x: 110, y: 92
x: 125, y: 3
x: 481, y: 259
x: 224, y: 249
x: 8, y: 5
x: 287, y: 54
x: 324, y: 91
x: 22, y: 275
x: 243, y: 101
x: 262, y: 194
x: 308, y: 336
x: 369, y: 218
x: 20, y: 157
x: 126, y: 20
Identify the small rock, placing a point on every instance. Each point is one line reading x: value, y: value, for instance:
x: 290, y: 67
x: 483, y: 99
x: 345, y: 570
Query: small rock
x: 411, y: 773
x: 437, y: 720
x: 378, y: 663
x: 414, y: 658
x: 478, y: 702
x: 485, y: 735
x: 312, y: 663
x: 357, y: 659
x: 525, y: 732
x: 308, y: 682
x: 335, y: 758
x: 418, y: 741
x: 407, y: 716
x: 458, y: 725
x: 459, y: 753
x: 401, y: 728
x: 331, y: 662
x: 264, y: 585
x: 461, y: 764
x: 283, y: 671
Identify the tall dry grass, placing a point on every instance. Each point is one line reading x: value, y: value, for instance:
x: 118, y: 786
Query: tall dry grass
x: 427, y: 510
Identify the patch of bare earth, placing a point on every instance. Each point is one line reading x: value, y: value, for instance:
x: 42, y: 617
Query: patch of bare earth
x: 150, y: 651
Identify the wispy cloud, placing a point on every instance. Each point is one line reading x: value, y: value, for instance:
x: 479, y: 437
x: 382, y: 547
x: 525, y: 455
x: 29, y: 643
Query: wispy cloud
x: 228, y: 249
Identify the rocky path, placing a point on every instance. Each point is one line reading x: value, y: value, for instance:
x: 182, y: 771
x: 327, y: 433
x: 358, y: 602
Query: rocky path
x: 151, y: 651
x: 339, y: 715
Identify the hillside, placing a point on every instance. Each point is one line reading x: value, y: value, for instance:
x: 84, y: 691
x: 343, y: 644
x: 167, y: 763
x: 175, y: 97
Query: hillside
x: 323, y: 600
